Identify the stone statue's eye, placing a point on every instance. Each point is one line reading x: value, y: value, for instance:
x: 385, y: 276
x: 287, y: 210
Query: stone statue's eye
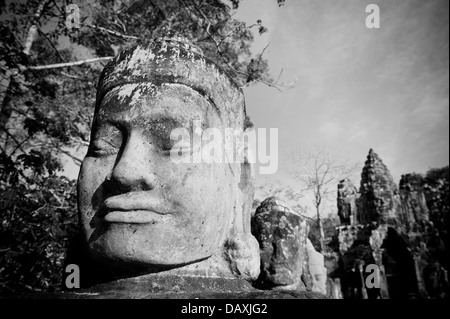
x: 169, y: 147
x: 103, y: 147
x: 176, y: 142
x: 107, y: 140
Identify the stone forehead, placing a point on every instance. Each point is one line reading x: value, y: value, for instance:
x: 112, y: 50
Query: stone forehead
x: 274, y: 204
x: 124, y: 97
x: 175, y: 60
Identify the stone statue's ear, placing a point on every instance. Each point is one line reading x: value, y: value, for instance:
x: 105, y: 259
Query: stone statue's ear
x: 242, y: 254
x: 241, y: 248
x: 246, y: 182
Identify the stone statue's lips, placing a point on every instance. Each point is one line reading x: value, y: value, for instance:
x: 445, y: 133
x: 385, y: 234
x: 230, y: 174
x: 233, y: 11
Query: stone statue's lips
x: 134, y: 208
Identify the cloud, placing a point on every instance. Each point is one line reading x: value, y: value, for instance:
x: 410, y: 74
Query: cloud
x: 331, y: 129
x: 360, y: 134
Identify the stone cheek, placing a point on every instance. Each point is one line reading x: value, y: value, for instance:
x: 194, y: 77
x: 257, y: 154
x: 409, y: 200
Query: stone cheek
x: 282, y: 238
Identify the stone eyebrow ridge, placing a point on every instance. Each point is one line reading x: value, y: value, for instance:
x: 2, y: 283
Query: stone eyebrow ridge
x: 161, y: 81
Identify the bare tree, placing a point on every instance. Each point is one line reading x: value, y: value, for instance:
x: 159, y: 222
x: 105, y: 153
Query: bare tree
x: 319, y: 171
x: 283, y: 191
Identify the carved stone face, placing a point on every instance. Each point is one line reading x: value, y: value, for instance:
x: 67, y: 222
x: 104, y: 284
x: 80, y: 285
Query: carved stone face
x: 317, y: 270
x: 319, y: 278
x: 136, y: 204
x: 281, y: 234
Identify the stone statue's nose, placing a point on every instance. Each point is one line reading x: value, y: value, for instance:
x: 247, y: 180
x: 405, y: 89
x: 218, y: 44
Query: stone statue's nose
x: 134, y: 169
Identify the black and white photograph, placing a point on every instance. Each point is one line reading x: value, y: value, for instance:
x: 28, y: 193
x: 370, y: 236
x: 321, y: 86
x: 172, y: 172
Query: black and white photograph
x: 226, y: 156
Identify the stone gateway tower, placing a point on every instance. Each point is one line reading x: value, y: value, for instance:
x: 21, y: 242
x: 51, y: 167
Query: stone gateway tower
x: 379, y: 199
x: 388, y: 227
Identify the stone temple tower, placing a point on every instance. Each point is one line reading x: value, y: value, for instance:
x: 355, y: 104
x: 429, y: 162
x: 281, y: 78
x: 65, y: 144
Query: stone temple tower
x: 379, y: 199
x: 392, y: 230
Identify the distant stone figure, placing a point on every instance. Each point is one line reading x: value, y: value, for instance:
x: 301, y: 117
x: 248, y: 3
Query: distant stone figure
x: 317, y: 269
x: 414, y: 204
x: 282, y: 236
x: 140, y: 211
x: 346, y: 202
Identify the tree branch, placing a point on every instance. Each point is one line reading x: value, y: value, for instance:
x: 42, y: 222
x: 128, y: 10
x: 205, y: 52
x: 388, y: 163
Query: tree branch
x: 33, y: 29
x: 14, y: 139
x: 72, y: 76
x: 219, y: 51
x: 261, y: 55
x: 68, y: 64
x: 79, y: 141
x: 76, y: 159
x: 53, y: 46
x: 19, y: 146
x: 203, y: 15
x: 117, y: 34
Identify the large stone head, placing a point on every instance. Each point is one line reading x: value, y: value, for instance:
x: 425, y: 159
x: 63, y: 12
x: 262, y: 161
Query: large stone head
x: 137, y: 204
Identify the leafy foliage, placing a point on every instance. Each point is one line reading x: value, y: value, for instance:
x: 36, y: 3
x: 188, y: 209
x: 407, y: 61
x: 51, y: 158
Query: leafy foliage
x: 37, y: 221
x: 46, y: 113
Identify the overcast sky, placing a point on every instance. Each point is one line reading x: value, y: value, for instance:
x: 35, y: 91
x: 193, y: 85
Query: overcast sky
x: 357, y: 88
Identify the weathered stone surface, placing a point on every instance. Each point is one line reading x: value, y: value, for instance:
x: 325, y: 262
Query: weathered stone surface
x: 179, y: 287
x: 413, y: 202
x: 394, y: 232
x: 140, y: 209
x: 334, y: 289
x: 317, y: 269
x: 153, y: 227
x: 346, y: 202
x: 282, y: 237
x: 177, y: 61
x: 347, y: 235
x: 379, y: 199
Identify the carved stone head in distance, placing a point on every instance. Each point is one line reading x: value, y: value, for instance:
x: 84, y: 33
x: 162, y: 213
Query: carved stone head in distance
x: 137, y: 205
